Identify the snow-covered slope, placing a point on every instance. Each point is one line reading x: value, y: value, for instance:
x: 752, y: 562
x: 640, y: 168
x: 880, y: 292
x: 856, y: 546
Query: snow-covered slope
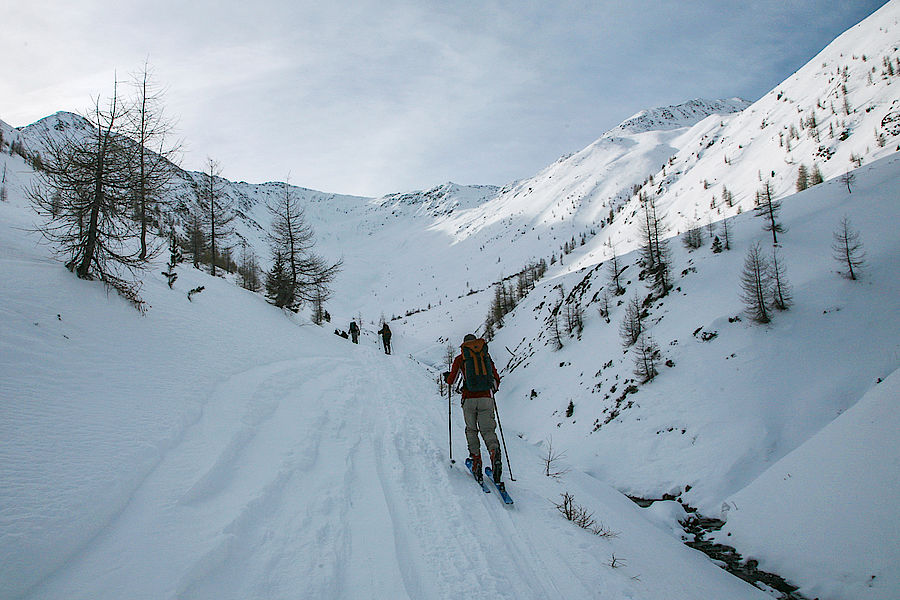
x: 217, y: 448
x: 191, y: 450
x: 830, y: 501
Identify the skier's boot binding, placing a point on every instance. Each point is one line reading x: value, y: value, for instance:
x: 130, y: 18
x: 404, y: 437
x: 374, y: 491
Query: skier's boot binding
x: 476, y: 467
x: 496, y: 465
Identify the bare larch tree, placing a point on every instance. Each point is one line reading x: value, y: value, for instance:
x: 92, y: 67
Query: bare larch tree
x: 153, y: 151
x: 218, y: 212
x: 83, y: 192
x: 848, y: 249
x: 755, y: 285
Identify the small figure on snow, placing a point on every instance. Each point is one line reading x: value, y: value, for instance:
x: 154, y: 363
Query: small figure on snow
x: 385, y: 333
x: 354, y: 332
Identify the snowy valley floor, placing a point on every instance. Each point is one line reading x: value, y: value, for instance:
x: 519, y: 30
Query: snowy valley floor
x: 324, y: 476
x: 192, y: 454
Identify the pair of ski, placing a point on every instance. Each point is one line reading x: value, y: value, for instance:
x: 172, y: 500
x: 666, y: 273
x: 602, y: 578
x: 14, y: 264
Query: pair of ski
x: 501, y: 487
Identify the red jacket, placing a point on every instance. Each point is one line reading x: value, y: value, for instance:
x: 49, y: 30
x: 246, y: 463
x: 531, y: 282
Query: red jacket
x: 457, y: 367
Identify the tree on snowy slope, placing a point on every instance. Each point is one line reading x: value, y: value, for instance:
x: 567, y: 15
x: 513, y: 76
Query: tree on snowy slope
x: 781, y: 289
x: 278, y: 282
x: 848, y: 249
x: 646, y: 357
x: 615, y: 270
x: 249, y: 269
x: 3, y: 192
x: 152, y: 152
x: 755, y: 285
x: 802, y: 178
x: 217, y: 210
x: 555, y: 331
x: 768, y: 208
x: 83, y: 192
x: 632, y: 322
x: 196, y: 237
x: 654, y: 247
x: 308, y: 276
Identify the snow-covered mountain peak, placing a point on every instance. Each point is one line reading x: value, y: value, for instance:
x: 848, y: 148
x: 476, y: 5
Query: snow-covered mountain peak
x: 441, y: 199
x: 687, y: 114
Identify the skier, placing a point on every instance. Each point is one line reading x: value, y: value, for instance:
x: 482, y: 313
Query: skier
x: 480, y: 381
x: 385, y: 332
x: 354, y: 332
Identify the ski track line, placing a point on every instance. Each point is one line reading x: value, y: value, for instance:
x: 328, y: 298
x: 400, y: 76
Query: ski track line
x: 410, y: 504
x: 456, y: 558
x: 291, y: 538
x: 161, y: 494
x: 516, y: 546
x: 103, y: 531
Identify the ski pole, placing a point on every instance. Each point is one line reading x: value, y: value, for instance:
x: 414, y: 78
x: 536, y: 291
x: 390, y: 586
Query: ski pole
x: 449, y: 416
x: 505, y: 451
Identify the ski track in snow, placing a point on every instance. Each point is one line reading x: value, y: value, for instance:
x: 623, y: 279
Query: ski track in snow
x: 341, y: 459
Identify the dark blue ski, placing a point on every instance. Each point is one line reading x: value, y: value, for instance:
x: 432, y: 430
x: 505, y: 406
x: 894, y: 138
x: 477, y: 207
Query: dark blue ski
x: 484, y: 486
x: 501, y: 487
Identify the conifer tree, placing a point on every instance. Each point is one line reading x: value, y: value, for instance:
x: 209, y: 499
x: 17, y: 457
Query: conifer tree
x: 196, y: 237
x: 3, y: 192
x: 175, y: 257
x: 816, y: 177
x: 152, y: 152
x: 218, y: 212
x: 646, y: 357
x: 632, y: 322
x: 692, y: 238
x: 727, y: 197
x: 780, y: 288
x: 249, y: 269
x: 802, y: 178
x: 83, y: 193
x: 755, y: 285
x: 278, y: 282
x: 615, y: 271
x: 768, y: 208
x: 654, y: 247
x: 555, y: 331
x: 291, y: 236
x: 848, y: 249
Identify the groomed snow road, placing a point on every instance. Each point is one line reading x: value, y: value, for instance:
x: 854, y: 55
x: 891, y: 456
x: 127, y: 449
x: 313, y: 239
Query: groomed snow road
x: 328, y: 476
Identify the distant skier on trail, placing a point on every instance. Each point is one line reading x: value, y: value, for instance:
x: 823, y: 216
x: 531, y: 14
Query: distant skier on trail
x: 385, y: 333
x: 354, y: 332
x: 480, y: 381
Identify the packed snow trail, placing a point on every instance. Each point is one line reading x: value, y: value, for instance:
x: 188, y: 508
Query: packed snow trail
x: 326, y: 476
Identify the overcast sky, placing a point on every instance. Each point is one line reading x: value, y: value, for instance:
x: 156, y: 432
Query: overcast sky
x: 371, y: 97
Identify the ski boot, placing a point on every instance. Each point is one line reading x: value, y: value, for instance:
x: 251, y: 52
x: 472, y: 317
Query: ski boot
x: 476, y: 467
x: 496, y: 465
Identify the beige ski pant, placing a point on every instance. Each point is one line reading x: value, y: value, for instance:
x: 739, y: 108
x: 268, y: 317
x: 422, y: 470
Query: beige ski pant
x: 479, y: 415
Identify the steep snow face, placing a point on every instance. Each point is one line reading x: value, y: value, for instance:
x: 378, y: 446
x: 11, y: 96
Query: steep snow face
x: 836, y: 113
x: 579, y: 191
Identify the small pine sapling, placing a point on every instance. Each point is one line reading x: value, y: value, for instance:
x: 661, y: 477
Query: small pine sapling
x: 175, y: 257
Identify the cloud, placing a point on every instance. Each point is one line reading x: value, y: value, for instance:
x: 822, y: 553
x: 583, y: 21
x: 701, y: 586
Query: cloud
x: 371, y: 97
